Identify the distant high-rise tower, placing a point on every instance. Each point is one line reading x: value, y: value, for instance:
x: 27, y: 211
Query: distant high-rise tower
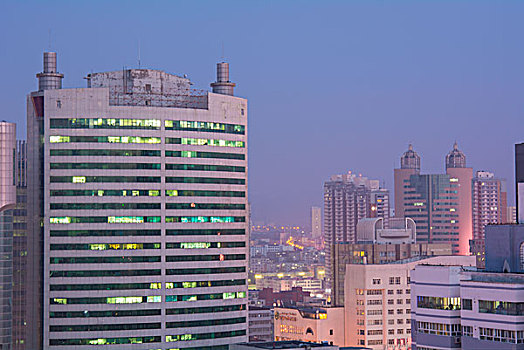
x: 316, y: 222
x: 347, y: 199
x: 440, y: 204
x: 489, y: 201
x: 137, y: 212
x: 7, y: 205
x: 409, y: 165
x: 20, y: 248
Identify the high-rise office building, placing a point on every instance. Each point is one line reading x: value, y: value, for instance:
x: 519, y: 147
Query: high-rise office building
x: 20, y: 247
x: 316, y: 222
x: 440, y: 204
x: 140, y: 184
x: 462, y: 175
x: 7, y: 205
x: 489, y: 202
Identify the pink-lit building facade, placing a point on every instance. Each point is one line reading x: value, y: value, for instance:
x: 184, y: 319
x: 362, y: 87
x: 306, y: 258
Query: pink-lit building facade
x: 440, y: 204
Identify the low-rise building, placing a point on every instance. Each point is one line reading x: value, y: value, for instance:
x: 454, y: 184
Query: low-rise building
x: 310, y: 324
x: 455, y: 307
x: 260, y: 327
x: 378, y: 301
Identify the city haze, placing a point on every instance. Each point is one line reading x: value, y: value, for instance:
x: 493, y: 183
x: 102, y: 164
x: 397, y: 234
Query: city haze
x: 332, y: 86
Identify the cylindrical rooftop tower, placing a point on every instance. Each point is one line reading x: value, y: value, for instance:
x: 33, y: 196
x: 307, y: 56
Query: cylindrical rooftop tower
x: 410, y: 159
x: 49, y: 79
x: 455, y: 158
x: 223, y: 85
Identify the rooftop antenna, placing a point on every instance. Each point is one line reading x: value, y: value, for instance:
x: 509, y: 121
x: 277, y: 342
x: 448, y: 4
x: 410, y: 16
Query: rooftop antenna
x: 138, y: 53
x: 222, y: 58
x: 49, y: 43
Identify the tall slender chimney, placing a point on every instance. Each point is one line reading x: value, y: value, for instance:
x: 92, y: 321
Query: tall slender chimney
x: 223, y: 85
x: 49, y: 79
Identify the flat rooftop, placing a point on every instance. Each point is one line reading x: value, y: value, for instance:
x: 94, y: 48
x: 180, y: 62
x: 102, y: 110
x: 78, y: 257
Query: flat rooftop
x: 289, y: 344
x: 496, y: 277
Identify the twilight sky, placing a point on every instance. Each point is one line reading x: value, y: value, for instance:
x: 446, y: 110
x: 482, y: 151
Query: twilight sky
x: 332, y: 85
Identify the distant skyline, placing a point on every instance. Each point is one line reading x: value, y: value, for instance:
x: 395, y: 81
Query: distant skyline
x: 333, y: 85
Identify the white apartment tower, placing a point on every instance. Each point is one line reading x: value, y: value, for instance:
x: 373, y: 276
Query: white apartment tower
x: 489, y: 202
x: 139, y: 212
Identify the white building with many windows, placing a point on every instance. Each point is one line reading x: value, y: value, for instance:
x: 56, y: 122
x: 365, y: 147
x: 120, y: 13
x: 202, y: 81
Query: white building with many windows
x: 139, y: 188
x: 455, y: 307
x: 378, y: 301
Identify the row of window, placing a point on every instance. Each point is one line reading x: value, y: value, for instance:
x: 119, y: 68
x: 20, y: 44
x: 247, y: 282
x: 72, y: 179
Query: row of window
x: 144, y: 124
x: 152, y: 285
x: 438, y: 303
x: 501, y: 335
x: 147, y: 166
x: 146, y: 299
x: 204, y: 126
x: 105, y: 341
x: 146, y: 312
x: 143, y: 153
x: 213, y: 296
x: 115, y: 233
x: 144, y: 259
x: 143, y: 219
x: 147, y: 140
x: 200, y: 336
x: 145, y: 206
x: 139, y: 326
x: 147, y: 179
x: 439, y: 329
x: 140, y: 246
x: 105, y: 327
x: 148, y: 193
x: 121, y: 166
x: 147, y: 272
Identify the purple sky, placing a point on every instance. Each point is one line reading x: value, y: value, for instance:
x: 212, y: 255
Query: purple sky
x: 332, y: 85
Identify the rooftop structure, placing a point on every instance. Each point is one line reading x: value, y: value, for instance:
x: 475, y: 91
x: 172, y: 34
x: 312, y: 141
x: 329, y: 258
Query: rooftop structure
x: 410, y: 159
x: 455, y: 158
x: 372, y: 230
